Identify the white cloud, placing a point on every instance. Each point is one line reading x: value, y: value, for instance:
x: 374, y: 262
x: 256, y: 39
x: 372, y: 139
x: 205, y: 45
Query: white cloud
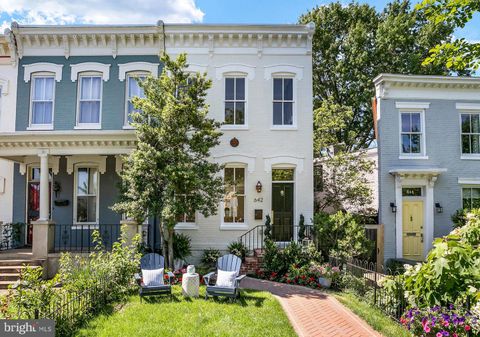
x: 100, y: 11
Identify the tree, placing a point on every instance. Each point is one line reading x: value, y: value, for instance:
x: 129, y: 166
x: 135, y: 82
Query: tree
x: 345, y: 181
x: 169, y: 173
x: 354, y: 43
x: 459, y: 54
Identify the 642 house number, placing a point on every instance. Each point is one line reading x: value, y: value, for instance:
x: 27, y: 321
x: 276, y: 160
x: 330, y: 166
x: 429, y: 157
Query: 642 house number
x: 258, y: 200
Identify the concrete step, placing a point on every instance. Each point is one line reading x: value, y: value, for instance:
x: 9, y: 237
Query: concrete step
x: 5, y: 284
x: 259, y: 252
x: 11, y: 277
x: 13, y: 269
x: 19, y: 262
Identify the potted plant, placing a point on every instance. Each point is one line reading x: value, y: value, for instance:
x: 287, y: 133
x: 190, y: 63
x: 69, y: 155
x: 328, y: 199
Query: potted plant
x: 325, y: 273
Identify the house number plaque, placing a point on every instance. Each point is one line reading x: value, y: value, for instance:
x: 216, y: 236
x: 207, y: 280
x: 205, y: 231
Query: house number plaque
x: 258, y: 200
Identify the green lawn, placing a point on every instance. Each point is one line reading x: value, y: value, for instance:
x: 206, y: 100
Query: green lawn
x: 373, y: 316
x: 254, y: 314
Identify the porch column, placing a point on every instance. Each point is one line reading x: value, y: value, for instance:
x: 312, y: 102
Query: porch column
x: 429, y: 216
x: 44, y: 190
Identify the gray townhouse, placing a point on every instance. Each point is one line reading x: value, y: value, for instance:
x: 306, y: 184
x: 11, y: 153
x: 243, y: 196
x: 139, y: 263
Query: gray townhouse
x: 428, y: 133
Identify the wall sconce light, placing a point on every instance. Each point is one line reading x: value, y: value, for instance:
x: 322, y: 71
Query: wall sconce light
x: 438, y: 207
x: 258, y: 186
x: 393, y: 207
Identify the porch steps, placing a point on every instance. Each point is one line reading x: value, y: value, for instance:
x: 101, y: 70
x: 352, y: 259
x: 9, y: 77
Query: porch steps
x: 252, y: 264
x: 10, y: 269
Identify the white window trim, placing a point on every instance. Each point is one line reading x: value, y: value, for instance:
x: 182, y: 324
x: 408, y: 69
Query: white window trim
x: 243, y: 126
x: 232, y: 68
x: 30, y: 111
x: 281, y: 127
x: 75, y: 195
x: 283, y: 162
x: 196, y: 68
x: 464, y: 109
x: 283, y: 70
x: 78, y: 68
x: 88, y: 126
x: 29, y: 69
x: 469, y: 181
x: 233, y: 226
x: 4, y: 86
x: 423, y: 154
x: 187, y: 225
x: 126, y: 124
x: 412, y: 105
x: 141, y: 67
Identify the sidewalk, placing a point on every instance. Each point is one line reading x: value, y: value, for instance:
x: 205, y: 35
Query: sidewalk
x: 313, y: 312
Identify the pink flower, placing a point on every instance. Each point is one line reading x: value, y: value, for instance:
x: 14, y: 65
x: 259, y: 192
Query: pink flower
x: 426, y: 328
x: 439, y: 334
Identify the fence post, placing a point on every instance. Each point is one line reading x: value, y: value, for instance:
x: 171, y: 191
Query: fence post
x: 375, y: 287
x: 36, y: 314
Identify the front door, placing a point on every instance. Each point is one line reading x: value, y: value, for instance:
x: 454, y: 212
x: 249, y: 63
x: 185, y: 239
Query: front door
x: 33, y: 200
x: 413, y: 230
x: 282, y: 207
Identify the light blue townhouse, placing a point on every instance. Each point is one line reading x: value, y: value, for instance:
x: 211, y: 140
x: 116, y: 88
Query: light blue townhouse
x: 428, y: 134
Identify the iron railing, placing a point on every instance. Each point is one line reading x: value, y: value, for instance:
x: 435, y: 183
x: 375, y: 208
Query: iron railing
x: 12, y: 235
x: 282, y: 235
x: 365, y: 280
x: 79, y: 238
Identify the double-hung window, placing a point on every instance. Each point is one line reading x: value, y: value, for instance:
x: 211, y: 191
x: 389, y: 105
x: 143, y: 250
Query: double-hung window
x: 42, y: 101
x: 235, y: 102
x: 90, y: 101
x: 187, y: 217
x: 470, y: 133
x: 471, y: 197
x: 411, y: 133
x: 234, y: 199
x: 283, y: 101
x: 86, y: 203
x: 133, y: 90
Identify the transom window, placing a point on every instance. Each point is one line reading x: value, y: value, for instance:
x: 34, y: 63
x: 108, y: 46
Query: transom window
x: 234, y: 200
x: 43, y: 91
x: 470, y: 133
x: 411, y: 132
x: 235, y: 101
x: 283, y: 101
x: 412, y: 192
x: 90, y: 100
x: 133, y: 90
x: 283, y: 175
x: 87, y: 179
x: 471, y: 197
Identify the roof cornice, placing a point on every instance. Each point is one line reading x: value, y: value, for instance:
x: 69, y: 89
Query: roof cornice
x: 427, y: 81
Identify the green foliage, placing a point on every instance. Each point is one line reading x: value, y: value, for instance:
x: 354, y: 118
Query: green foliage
x: 238, y: 248
x: 340, y: 235
x: 394, y: 267
x: 451, y: 272
x: 268, y: 228
x: 459, y: 218
x: 301, y: 228
x: 210, y: 257
x: 172, y: 155
x: 182, y: 247
x: 459, y: 54
x: 352, y: 44
x: 345, y: 182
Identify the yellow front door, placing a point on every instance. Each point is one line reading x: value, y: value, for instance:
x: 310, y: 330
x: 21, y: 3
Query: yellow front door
x: 413, y: 230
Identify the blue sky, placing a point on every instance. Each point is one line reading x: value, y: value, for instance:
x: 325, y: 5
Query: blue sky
x: 149, y: 11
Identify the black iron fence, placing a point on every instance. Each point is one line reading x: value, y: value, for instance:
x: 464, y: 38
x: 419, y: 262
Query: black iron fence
x: 12, y: 235
x: 282, y: 235
x: 79, y: 238
x: 365, y: 278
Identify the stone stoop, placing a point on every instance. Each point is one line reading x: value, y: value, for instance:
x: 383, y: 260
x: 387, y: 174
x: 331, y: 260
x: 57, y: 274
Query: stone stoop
x: 10, y: 270
x: 253, y: 263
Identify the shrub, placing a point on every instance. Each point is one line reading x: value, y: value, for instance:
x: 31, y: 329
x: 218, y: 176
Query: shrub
x: 238, y: 248
x: 210, y: 257
x: 301, y: 228
x: 441, y: 321
x: 268, y: 228
x: 182, y: 247
x: 394, y: 267
x: 451, y: 272
x: 272, y: 260
x: 459, y: 218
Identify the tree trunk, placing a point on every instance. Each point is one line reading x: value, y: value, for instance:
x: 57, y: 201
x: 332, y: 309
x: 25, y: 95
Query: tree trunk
x: 162, y: 234
x: 170, y: 247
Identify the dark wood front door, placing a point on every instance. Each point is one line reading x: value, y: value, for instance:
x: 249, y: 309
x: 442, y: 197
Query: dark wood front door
x: 282, y: 206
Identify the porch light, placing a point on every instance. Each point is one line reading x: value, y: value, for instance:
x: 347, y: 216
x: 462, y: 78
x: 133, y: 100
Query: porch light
x: 438, y: 207
x: 393, y: 207
x: 258, y: 186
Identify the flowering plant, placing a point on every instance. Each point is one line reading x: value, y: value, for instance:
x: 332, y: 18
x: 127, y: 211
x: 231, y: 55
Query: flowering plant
x: 324, y: 270
x: 440, y: 321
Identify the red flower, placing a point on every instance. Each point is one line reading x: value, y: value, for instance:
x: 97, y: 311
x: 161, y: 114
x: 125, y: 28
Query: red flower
x: 467, y: 328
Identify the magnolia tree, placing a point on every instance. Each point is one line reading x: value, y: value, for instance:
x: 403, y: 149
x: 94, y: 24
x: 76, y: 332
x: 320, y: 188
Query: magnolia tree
x: 169, y: 174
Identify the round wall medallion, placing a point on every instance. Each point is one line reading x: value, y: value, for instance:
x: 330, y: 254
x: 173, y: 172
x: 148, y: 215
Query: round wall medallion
x: 234, y: 142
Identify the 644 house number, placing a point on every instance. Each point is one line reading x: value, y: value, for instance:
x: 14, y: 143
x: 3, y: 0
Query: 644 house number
x: 258, y: 200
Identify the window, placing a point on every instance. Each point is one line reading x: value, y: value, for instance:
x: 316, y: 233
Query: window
x: 283, y: 175
x: 90, y: 100
x: 283, y: 101
x: 411, y: 133
x: 42, y: 96
x: 471, y: 197
x: 470, y: 133
x: 87, y: 181
x: 133, y: 90
x: 234, y: 200
x: 318, y: 178
x: 235, y: 101
x: 186, y: 217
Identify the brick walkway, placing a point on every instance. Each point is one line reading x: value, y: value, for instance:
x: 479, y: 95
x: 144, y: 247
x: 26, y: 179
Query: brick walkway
x: 313, y: 312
